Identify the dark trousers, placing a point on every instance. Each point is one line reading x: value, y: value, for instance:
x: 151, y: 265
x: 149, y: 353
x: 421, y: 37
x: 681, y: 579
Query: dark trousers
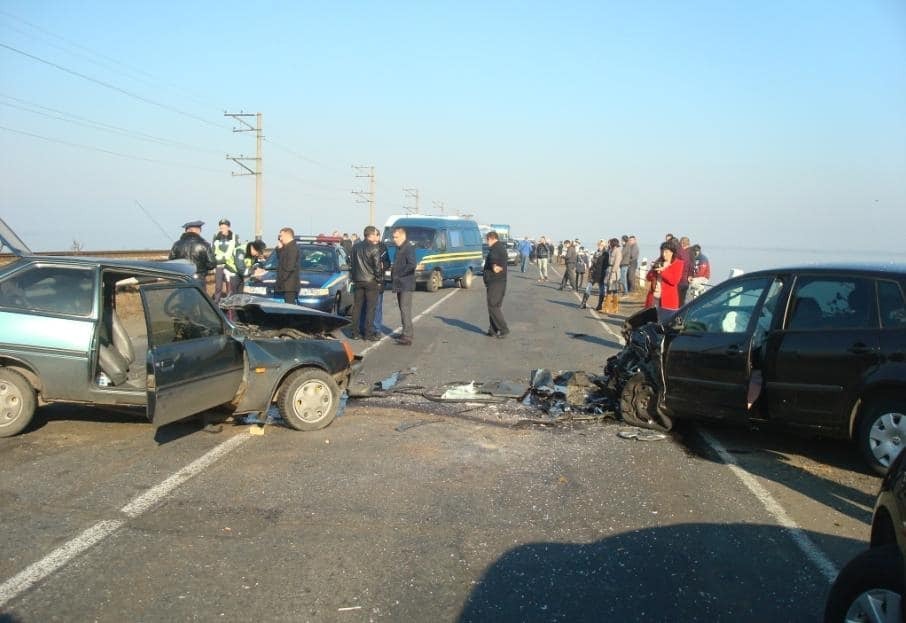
x: 569, y: 276
x: 223, y: 277
x: 682, y: 291
x: 404, y: 300
x: 366, y: 294
x: 496, y: 291
x: 632, y: 279
x: 289, y: 297
x: 580, y: 279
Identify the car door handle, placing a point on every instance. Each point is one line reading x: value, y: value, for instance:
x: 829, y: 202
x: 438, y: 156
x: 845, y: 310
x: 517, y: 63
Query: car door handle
x: 165, y: 364
x: 860, y: 349
x: 733, y: 350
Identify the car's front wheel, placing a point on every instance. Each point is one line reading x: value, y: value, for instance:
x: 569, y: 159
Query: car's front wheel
x: 638, y: 405
x: 869, y: 588
x: 435, y: 281
x: 17, y: 402
x: 308, y: 399
x: 466, y: 281
x: 882, y: 433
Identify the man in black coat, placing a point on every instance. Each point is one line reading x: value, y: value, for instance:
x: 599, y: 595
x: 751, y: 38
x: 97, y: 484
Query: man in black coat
x: 571, y: 257
x: 402, y: 275
x: 191, y: 246
x: 367, y: 273
x: 287, y: 283
x: 494, y: 274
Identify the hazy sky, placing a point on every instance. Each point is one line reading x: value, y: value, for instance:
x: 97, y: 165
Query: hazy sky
x: 736, y: 123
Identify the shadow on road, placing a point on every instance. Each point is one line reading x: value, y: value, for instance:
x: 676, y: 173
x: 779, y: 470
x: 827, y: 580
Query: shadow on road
x: 593, y: 339
x: 685, y: 572
x: 461, y: 324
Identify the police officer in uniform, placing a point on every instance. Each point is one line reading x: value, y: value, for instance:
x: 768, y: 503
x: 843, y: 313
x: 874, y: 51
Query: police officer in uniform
x: 191, y: 246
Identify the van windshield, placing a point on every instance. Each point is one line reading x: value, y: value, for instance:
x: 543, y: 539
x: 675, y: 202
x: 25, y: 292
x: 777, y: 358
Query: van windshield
x: 421, y: 237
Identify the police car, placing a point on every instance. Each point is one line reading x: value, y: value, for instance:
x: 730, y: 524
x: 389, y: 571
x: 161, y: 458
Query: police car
x: 324, y: 282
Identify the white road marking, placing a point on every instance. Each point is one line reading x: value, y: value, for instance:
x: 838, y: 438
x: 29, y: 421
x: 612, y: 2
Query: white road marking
x: 61, y: 556
x: 797, y: 534
x: 414, y: 320
x: 619, y: 338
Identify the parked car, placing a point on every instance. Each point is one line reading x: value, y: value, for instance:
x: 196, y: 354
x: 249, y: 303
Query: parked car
x: 323, y: 276
x: 819, y: 347
x: 870, y: 587
x: 99, y: 331
x: 512, y: 253
x: 446, y: 247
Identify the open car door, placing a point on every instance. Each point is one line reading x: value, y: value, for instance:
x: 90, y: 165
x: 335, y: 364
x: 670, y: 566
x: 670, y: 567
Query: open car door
x: 193, y: 363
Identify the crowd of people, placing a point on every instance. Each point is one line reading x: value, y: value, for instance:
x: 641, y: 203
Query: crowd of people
x: 681, y: 271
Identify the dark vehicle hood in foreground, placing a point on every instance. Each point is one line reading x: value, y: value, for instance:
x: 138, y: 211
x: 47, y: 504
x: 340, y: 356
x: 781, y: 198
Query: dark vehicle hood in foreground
x: 266, y: 313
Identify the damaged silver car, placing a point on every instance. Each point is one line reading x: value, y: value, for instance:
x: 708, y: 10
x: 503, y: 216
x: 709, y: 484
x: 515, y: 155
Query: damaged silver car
x: 98, y: 331
x: 815, y: 347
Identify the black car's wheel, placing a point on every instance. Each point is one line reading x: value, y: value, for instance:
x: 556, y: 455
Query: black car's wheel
x: 882, y: 433
x: 869, y: 588
x: 17, y: 402
x: 466, y: 281
x: 435, y: 281
x: 308, y: 399
x: 638, y: 405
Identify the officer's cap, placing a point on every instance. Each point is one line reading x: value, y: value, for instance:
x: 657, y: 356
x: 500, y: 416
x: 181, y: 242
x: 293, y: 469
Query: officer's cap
x: 193, y: 224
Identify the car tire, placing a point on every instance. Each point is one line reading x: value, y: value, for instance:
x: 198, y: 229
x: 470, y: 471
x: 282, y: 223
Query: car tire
x: 882, y: 433
x: 871, y: 580
x: 435, y: 281
x: 17, y: 402
x: 308, y: 399
x: 638, y: 405
x: 466, y: 281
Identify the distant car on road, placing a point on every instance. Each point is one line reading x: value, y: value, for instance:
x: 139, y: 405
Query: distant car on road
x: 870, y: 586
x: 99, y: 331
x: 512, y: 253
x: 323, y: 278
x: 816, y: 347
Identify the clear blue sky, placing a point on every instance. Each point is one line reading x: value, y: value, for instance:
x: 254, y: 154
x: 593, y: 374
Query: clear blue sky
x: 736, y: 123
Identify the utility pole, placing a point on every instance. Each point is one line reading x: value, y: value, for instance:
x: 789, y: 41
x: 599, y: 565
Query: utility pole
x: 259, y: 168
x: 370, y: 193
x: 411, y: 193
x: 439, y: 205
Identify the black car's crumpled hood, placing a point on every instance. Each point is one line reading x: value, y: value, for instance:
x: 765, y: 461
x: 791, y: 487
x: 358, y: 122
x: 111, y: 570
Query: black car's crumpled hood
x: 266, y: 314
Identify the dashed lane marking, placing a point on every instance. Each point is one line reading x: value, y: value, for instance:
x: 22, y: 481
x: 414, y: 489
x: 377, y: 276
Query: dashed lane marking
x: 414, y: 320
x: 60, y: 557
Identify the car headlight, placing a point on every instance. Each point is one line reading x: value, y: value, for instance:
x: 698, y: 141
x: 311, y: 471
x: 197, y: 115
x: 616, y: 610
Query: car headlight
x: 419, y: 267
x: 313, y: 291
x: 255, y: 290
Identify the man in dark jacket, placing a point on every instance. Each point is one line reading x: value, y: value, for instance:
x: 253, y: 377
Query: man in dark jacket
x: 368, y: 277
x: 543, y: 253
x: 191, y: 246
x: 571, y: 257
x: 402, y: 275
x: 494, y: 274
x: 598, y: 274
x: 287, y: 283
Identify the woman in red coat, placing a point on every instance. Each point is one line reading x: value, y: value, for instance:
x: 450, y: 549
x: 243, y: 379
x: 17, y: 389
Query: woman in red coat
x: 669, y: 275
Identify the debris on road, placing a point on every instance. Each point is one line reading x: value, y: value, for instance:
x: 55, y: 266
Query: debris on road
x: 640, y: 434
x: 404, y: 426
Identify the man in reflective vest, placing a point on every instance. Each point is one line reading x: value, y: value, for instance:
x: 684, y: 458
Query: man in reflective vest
x: 225, y: 244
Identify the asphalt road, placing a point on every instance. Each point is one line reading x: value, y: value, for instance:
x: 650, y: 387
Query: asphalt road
x: 462, y: 516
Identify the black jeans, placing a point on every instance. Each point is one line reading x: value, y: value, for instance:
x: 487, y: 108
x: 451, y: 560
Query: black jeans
x: 404, y: 300
x: 289, y: 297
x: 366, y: 295
x: 496, y: 292
x: 569, y: 276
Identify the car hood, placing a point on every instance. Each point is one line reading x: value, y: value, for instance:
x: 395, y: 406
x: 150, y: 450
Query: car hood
x: 267, y: 314
x: 10, y: 242
x: 307, y: 279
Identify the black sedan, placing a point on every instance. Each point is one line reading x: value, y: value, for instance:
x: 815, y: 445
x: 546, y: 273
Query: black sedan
x: 818, y: 347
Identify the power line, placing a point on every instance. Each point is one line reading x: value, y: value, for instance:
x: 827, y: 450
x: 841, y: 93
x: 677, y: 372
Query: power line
x: 109, y: 152
x: 136, y: 71
x: 112, y: 87
x: 97, y: 125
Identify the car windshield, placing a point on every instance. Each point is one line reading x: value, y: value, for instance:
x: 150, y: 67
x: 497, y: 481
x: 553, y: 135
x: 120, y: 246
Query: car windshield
x: 421, y: 237
x: 313, y: 258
